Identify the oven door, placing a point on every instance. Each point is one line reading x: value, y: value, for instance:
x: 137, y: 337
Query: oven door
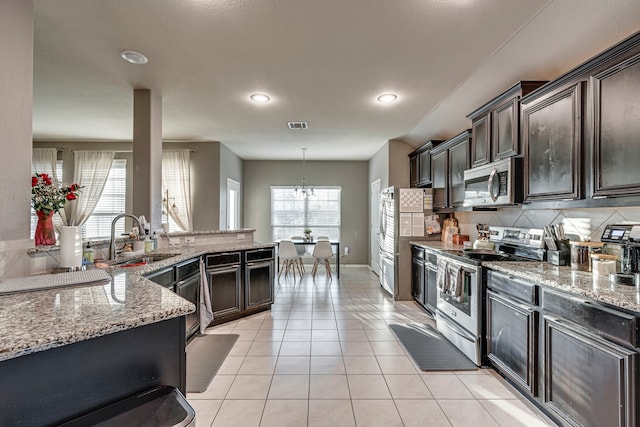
x: 463, y: 306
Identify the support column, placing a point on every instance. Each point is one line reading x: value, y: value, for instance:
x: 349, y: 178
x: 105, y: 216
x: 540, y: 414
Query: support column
x: 16, y: 124
x: 147, y: 156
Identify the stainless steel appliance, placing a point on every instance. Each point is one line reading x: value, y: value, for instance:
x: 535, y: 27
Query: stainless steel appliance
x: 400, y: 209
x: 460, y: 281
x: 628, y: 237
x: 495, y: 184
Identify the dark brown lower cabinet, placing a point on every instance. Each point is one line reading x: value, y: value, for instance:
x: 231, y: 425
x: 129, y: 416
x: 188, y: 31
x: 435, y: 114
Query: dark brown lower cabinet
x: 225, y: 289
x: 258, y: 278
x: 512, y: 338
x: 588, y: 380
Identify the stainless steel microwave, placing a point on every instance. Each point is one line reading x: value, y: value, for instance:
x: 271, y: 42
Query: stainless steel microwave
x: 495, y: 184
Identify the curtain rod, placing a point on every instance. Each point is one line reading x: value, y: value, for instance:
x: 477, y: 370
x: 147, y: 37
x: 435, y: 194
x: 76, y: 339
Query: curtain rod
x: 70, y: 150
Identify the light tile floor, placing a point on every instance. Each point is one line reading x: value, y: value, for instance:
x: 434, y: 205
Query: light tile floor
x: 324, y: 356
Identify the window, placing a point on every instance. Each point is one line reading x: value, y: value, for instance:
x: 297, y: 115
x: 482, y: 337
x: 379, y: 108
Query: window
x: 290, y: 215
x: 112, y: 202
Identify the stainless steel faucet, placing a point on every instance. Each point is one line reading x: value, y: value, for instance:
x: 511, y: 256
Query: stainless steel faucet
x: 112, y: 245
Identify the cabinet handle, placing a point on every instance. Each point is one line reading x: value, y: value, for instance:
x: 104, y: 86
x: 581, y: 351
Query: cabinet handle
x: 599, y: 197
x: 223, y: 270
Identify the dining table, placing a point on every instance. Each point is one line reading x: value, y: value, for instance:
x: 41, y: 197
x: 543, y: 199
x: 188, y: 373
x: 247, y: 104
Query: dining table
x: 334, y: 244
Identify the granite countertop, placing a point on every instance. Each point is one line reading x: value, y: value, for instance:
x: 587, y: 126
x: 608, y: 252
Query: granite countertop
x: 49, y: 318
x: 563, y: 278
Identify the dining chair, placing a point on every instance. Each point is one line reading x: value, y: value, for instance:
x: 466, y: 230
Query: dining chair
x: 301, y: 249
x: 322, y: 252
x: 290, y: 260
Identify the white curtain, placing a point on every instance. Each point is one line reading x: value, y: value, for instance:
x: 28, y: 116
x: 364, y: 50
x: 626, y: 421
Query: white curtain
x: 176, y: 180
x: 91, y: 170
x: 43, y: 160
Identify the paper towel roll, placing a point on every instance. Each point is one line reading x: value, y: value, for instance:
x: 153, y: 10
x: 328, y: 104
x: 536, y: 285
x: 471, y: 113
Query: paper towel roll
x: 70, y: 246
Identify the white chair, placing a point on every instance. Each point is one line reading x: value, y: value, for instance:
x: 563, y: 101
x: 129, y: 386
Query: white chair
x: 322, y: 252
x: 289, y: 258
x: 322, y: 238
x: 302, y: 250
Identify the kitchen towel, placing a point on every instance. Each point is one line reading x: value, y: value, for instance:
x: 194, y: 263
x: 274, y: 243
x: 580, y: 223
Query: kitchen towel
x: 206, y: 312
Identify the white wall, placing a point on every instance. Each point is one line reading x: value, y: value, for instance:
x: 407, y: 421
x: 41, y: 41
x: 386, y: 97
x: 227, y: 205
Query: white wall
x: 16, y: 93
x: 230, y: 167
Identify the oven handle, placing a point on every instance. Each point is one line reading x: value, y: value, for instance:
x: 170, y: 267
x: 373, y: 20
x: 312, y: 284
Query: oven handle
x: 463, y: 333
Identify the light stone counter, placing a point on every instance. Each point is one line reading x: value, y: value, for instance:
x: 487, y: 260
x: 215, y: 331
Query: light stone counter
x: 577, y: 283
x: 40, y: 320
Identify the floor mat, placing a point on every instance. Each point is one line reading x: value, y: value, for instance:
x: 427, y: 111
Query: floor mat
x: 205, y: 354
x: 430, y: 349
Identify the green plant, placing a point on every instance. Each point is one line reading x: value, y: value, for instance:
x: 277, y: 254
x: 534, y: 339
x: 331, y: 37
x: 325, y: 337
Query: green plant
x: 307, y: 231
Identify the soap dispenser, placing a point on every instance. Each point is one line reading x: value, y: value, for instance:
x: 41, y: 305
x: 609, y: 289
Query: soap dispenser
x: 88, y: 253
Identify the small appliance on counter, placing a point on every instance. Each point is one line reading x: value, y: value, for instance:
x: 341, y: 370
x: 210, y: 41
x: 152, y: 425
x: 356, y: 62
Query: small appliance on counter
x: 628, y: 237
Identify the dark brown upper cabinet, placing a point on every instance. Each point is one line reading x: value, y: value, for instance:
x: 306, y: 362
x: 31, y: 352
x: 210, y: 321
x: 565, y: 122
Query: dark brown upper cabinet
x: 420, y: 165
x: 552, y: 133
x: 495, y: 125
x: 480, y: 136
x: 616, y: 99
x: 449, y: 160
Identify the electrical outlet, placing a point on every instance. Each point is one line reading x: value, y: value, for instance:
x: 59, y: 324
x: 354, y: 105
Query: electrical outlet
x: 189, y: 239
x: 241, y: 237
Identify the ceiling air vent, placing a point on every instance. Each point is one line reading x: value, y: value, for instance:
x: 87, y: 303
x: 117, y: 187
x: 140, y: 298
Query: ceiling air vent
x: 297, y: 125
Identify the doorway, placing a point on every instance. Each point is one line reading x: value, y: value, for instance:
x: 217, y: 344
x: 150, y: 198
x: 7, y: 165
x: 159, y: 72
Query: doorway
x: 233, y: 205
x: 374, y: 232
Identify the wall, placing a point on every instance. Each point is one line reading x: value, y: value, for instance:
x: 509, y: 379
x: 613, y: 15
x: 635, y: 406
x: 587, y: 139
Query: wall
x: 591, y: 221
x: 258, y: 177
x: 230, y: 167
x: 16, y: 92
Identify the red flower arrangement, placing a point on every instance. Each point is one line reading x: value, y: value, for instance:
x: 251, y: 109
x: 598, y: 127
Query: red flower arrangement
x: 48, y: 196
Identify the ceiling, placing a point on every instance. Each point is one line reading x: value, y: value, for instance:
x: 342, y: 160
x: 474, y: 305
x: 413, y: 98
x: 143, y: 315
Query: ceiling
x: 321, y: 61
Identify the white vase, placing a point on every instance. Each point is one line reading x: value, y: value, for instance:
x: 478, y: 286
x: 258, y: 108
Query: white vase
x: 70, y: 246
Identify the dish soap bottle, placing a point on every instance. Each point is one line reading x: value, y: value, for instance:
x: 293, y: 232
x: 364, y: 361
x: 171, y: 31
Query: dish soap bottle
x: 154, y: 239
x: 88, y: 253
x: 148, y: 244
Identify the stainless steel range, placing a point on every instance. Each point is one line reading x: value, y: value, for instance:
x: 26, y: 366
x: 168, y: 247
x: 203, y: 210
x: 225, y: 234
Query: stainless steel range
x: 460, y: 283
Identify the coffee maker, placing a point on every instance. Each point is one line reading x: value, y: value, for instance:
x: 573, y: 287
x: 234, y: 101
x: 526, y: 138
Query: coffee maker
x: 628, y: 237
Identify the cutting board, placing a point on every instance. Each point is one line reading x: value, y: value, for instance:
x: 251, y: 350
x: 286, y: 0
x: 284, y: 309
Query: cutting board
x: 448, y: 222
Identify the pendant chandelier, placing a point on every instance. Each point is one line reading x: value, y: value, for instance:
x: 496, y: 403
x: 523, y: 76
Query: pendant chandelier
x: 303, y: 190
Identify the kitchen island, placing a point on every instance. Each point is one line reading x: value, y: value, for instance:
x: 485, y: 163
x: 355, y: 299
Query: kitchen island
x: 66, y: 351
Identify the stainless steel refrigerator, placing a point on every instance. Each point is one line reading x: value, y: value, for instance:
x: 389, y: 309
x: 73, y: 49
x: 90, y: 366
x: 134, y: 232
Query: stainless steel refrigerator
x: 402, y: 219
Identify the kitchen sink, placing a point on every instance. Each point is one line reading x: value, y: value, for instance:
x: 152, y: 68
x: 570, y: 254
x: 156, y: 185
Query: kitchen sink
x: 142, y: 260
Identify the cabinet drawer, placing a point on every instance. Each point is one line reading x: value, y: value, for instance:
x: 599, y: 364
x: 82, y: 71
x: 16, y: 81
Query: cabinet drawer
x: 223, y: 258
x: 258, y: 255
x: 187, y: 269
x: 417, y: 252
x: 610, y: 323
x: 164, y: 277
x: 515, y: 288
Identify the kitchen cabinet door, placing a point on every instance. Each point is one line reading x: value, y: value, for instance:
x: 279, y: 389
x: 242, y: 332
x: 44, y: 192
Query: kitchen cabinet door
x: 504, y: 141
x: 616, y: 128
x: 588, y: 381
x: 425, y: 168
x: 225, y: 290
x: 417, y: 280
x: 439, y: 166
x: 414, y: 170
x: 258, y: 281
x: 458, y: 163
x: 480, y: 137
x: 512, y: 337
x: 552, y: 131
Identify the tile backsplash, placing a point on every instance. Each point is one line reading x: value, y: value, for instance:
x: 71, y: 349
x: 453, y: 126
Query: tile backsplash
x: 590, y: 221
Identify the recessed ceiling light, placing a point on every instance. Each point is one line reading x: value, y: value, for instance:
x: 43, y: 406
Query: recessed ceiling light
x: 260, y: 97
x: 134, y: 57
x: 387, y: 98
